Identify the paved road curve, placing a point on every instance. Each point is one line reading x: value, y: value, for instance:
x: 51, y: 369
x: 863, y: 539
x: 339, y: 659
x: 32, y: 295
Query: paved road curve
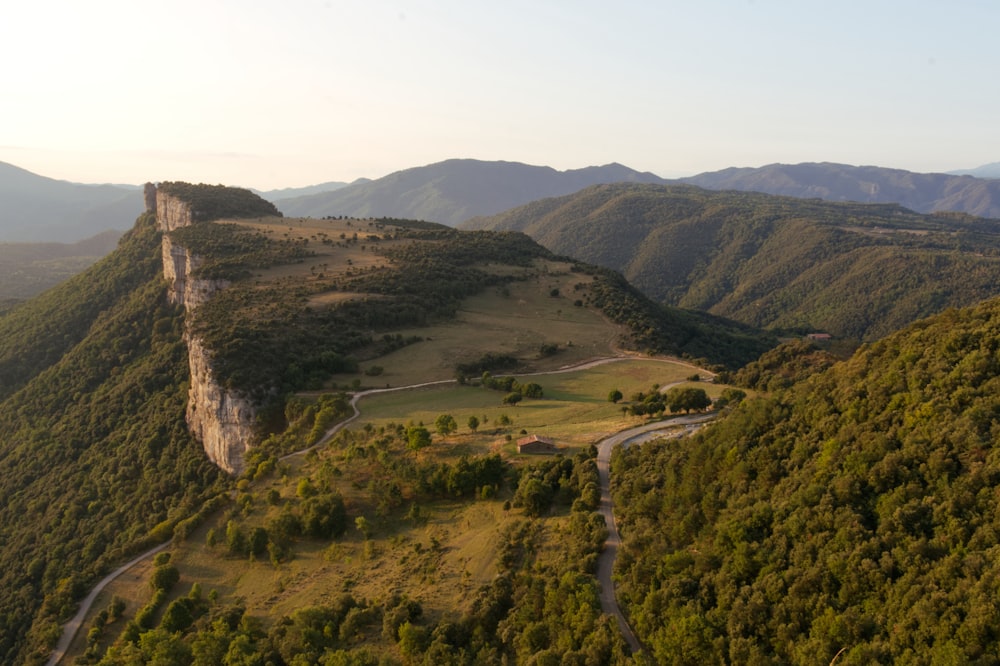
x: 73, y: 626
x: 606, y: 560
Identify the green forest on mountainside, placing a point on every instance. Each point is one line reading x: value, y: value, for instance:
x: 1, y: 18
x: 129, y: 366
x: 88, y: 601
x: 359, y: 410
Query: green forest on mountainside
x: 854, y: 270
x: 92, y: 437
x: 856, y: 511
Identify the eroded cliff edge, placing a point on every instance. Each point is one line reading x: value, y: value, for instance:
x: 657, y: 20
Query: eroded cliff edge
x: 222, y: 419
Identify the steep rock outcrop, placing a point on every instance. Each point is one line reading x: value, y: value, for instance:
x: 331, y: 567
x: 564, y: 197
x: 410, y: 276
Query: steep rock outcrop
x: 220, y: 418
x: 171, y: 212
x: 179, y: 266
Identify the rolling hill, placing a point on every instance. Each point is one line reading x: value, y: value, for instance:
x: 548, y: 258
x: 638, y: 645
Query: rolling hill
x: 852, y: 270
x: 39, y: 209
x: 921, y: 192
x: 98, y: 375
x: 455, y: 190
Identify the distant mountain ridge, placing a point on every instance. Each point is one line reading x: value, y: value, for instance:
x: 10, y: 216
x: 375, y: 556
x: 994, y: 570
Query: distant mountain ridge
x: 921, y: 192
x: 34, y: 208
x: 455, y: 190
x: 991, y: 170
x: 308, y: 190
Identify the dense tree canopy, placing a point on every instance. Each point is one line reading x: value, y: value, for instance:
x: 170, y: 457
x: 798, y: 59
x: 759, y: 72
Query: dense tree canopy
x: 92, y: 437
x: 853, y: 511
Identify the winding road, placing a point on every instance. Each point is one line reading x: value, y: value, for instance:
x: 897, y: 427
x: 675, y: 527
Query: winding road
x: 605, y: 562
x: 73, y: 626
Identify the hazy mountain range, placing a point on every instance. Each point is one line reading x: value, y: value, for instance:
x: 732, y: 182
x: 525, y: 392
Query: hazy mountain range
x: 34, y: 208
x: 921, y: 192
x: 452, y: 191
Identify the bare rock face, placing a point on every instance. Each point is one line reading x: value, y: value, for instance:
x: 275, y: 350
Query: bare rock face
x: 179, y: 265
x: 171, y: 212
x: 220, y: 418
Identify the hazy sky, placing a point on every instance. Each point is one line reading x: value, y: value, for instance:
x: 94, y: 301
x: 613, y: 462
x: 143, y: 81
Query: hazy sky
x: 268, y: 93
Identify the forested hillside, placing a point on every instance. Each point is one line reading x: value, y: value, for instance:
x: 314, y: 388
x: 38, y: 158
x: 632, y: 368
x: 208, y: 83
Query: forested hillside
x: 854, y: 513
x: 853, y: 270
x: 93, y: 445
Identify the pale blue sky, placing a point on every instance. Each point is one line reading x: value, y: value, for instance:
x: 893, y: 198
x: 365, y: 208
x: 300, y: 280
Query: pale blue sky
x: 269, y: 93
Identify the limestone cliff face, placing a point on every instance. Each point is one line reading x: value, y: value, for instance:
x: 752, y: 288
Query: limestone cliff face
x: 171, y: 212
x: 220, y: 418
x: 179, y: 265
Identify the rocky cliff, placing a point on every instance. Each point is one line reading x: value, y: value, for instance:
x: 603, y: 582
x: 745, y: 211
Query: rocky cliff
x: 179, y: 266
x: 220, y: 418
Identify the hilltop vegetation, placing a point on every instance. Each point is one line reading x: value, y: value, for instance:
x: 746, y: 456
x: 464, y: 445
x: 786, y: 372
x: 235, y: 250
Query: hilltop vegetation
x: 853, y: 511
x: 214, y: 202
x: 853, y: 270
x: 368, y: 504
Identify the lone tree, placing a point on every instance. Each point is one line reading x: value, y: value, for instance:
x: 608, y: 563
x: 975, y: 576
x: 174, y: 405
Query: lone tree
x: 445, y: 424
x: 473, y: 423
x: 614, y: 396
